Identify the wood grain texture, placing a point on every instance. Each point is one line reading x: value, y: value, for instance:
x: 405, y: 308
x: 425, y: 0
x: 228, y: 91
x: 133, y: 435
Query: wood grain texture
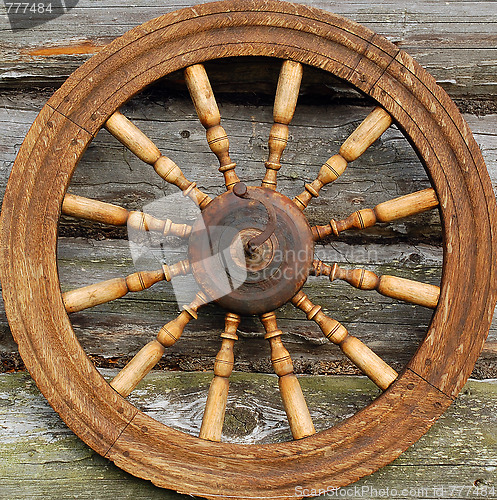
x: 150, y: 354
x: 411, y: 404
x: 362, y: 356
x: 387, y: 211
x: 368, y: 132
x: 456, y: 42
x: 40, y: 455
x: 411, y: 291
x: 114, y: 332
x: 139, y: 144
x: 107, y: 168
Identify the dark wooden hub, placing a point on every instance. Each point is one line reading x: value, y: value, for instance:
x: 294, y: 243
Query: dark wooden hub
x: 251, y: 281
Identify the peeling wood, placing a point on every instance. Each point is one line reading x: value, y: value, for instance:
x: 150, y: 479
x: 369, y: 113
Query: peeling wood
x: 88, y: 47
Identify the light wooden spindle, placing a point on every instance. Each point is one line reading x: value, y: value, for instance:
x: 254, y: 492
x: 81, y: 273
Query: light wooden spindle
x: 205, y: 104
x: 138, y: 143
x: 414, y: 292
x: 146, y: 222
x: 106, y: 213
x: 363, y: 136
x: 403, y: 206
x: 287, y: 93
x: 106, y: 291
x: 360, y: 354
x: 296, y: 409
x: 98, y: 211
x: 149, y: 355
x: 215, y: 407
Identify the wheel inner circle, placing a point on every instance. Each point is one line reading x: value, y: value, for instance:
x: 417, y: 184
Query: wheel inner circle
x: 253, y: 281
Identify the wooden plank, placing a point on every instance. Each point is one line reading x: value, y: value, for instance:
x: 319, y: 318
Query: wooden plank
x: 111, y: 333
x: 39, y: 455
x: 455, y: 41
x: 388, y: 169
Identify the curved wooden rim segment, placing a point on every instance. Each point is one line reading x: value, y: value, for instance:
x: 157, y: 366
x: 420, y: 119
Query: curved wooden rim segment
x: 108, y: 423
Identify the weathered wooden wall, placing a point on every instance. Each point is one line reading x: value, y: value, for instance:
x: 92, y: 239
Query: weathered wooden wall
x: 41, y: 458
x: 455, y: 41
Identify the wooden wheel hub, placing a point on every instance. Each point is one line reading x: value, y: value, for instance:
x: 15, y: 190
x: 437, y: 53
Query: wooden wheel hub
x: 257, y: 281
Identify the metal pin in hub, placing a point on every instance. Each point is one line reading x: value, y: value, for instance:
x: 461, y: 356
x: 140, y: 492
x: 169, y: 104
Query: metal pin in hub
x: 240, y: 190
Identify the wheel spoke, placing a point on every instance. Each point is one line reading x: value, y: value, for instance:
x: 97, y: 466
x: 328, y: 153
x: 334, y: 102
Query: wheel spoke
x: 106, y: 213
x: 363, y: 136
x: 397, y: 208
x: 106, y: 291
x: 296, y: 409
x: 215, y: 407
x: 360, y: 354
x: 287, y: 93
x: 149, y: 355
x: 139, y: 144
x: 411, y: 291
x: 205, y: 104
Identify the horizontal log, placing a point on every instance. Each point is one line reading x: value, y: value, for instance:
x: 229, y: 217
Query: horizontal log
x: 455, y: 41
x: 40, y: 455
x: 387, y: 170
x: 112, y: 333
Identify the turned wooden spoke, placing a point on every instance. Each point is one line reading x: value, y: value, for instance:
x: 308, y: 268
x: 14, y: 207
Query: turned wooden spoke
x: 363, y: 136
x: 296, y: 409
x: 422, y: 294
x: 98, y: 211
x: 149, y: 355
x: 215, y: 407
x: 205, y: 104
x: 139, y: 144
x: 287, y: 93
x: 403, y: 206
x: 360, y: 354
x: 106, y: 291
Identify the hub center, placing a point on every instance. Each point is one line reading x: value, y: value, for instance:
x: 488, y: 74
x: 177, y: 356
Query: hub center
x: 251, y: 253
x: 252, y: 260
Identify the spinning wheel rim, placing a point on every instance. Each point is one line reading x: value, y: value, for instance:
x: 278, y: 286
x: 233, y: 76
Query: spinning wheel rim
x: 58, y: 138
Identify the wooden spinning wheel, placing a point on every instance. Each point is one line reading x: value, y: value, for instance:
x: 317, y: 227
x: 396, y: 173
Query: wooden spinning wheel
x: 265, y: 221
